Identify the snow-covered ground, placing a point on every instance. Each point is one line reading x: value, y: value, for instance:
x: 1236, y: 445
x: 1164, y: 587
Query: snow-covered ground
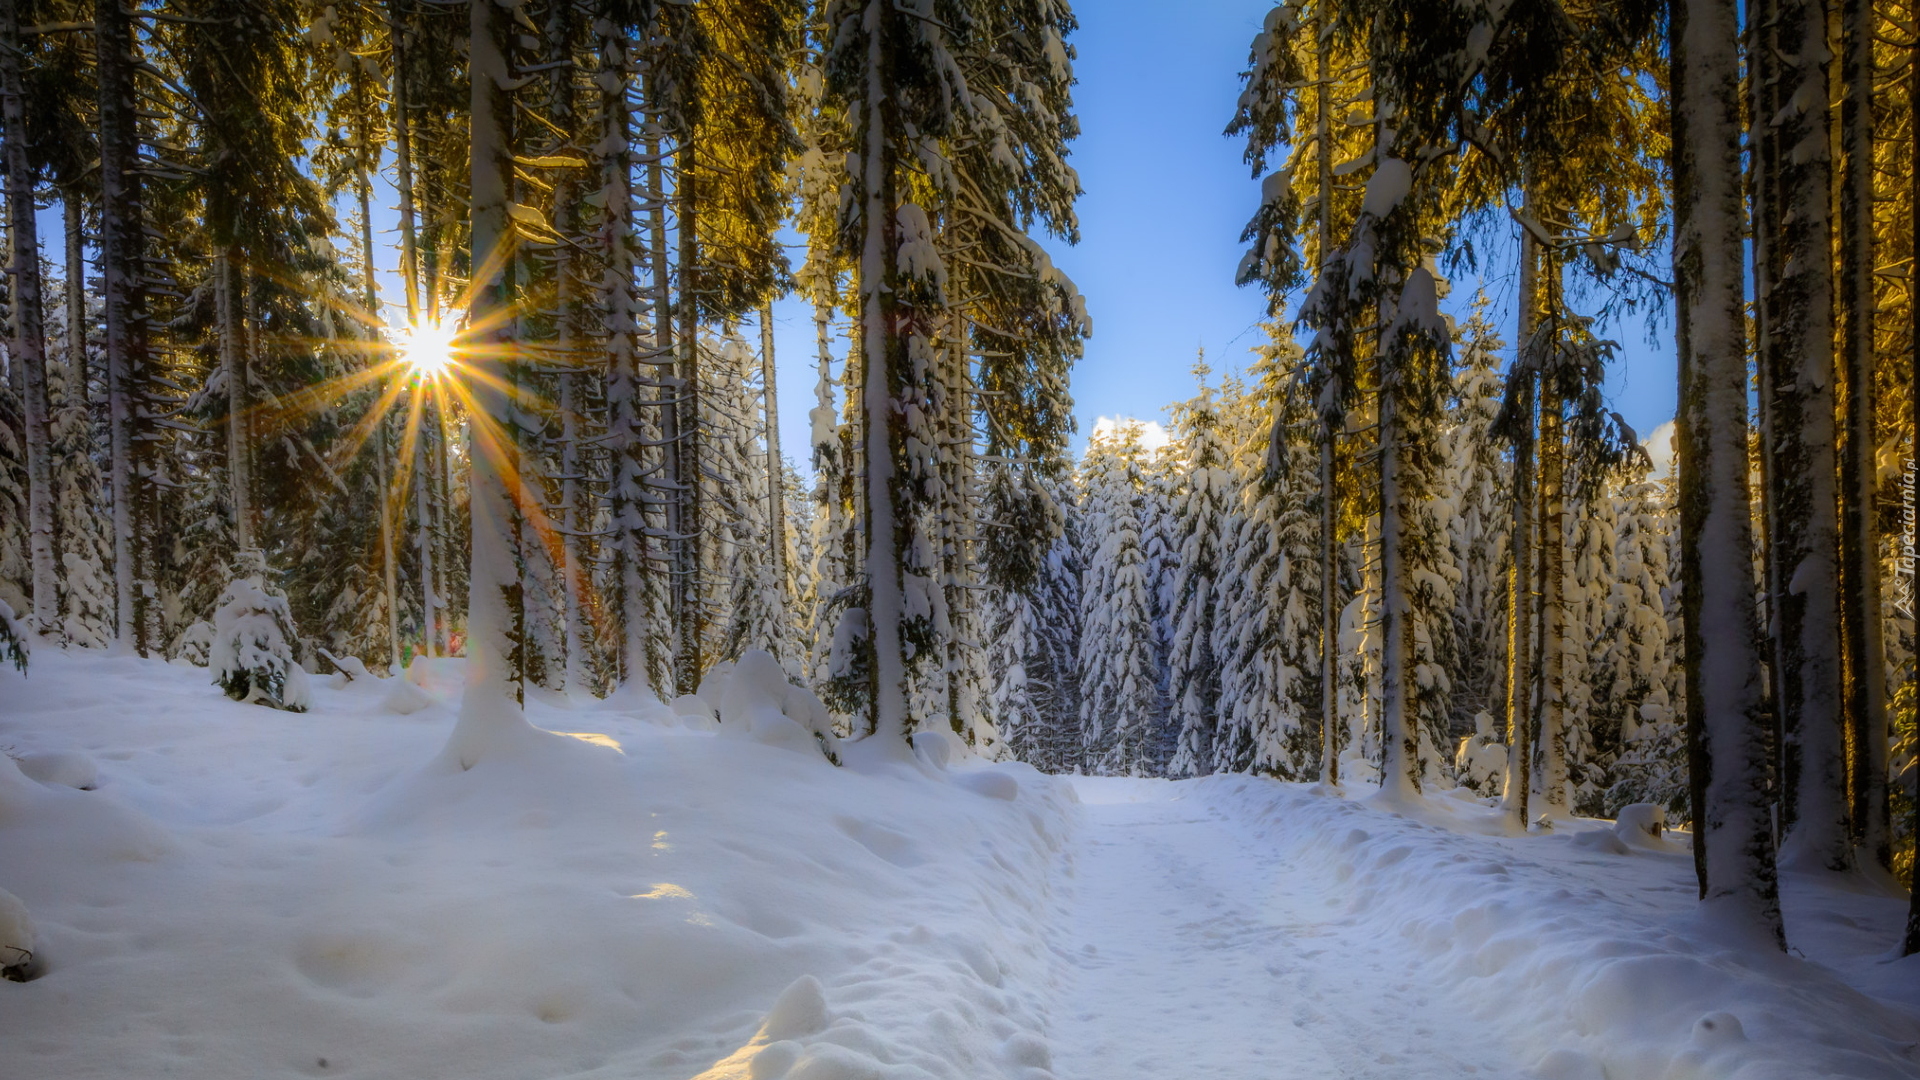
x: 250, y: 893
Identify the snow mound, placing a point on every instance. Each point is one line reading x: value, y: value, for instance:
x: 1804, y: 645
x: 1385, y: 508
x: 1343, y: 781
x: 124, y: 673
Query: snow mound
x: 1591, y: 964
x: 62, y: 767
x: 243, y: 899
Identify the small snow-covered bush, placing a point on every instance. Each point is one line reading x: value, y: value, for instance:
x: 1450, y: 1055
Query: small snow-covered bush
x: 195, y: 644
x: 16, y: 937
x: 253, y: 635
x: 1481, y: 759
x: 13, y: 637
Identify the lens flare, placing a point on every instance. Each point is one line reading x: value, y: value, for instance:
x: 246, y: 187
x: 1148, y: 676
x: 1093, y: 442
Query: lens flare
x: 426, y: 348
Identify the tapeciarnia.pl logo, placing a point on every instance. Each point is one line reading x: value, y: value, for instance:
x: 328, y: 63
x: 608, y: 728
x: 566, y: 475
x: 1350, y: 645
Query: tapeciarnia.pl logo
x: 1903, y: 566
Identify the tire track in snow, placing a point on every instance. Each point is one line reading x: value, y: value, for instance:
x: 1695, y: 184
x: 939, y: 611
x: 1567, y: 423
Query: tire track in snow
x: 1192, y: 954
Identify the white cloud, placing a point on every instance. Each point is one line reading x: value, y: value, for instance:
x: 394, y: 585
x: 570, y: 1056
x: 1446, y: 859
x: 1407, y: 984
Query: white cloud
x: 1659, y: 447
x: 1153, y: 434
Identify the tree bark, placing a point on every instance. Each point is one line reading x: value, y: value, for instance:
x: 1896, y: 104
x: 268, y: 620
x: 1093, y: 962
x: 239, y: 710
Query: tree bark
x: 1520, y: 630
x: 1325, y: 432
x: 1795, y: 286
x: 29, y: 342
x: 76, y: 297
x: 1726, y: 736
x: 882, y: 359
x: 494, y: 655
x: 122, y: 267
x: 1859, y: 532
x: 1552, y: 782
x: 776, y: 467
x: 691, y: 628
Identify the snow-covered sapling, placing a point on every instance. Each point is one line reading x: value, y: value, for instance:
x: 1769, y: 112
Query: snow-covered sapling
x: 13, y: 637
x: 16, y: 939
x: 253, y: 635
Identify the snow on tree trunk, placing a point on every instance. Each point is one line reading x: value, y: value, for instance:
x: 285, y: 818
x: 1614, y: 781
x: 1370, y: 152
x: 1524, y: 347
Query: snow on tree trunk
x: 28, y: 345
x: 1799, y: 437
x: 490, y: 709
x: 1733, y: 852
x: 776, y: 474
x: 122, y: 263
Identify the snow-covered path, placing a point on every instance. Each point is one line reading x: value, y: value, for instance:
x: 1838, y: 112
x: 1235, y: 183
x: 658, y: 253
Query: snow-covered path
x: 1196, y: 955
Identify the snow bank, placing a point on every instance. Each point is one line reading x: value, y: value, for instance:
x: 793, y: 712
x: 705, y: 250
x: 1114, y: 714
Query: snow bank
x: 259, y: 894
x: 1585, y: 949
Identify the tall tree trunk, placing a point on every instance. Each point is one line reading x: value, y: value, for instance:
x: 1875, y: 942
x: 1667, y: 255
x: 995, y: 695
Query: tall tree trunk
x: 776, y: 467
x: 566, y: 315
x: 691, y: 630
x: 29, y: 343
x: 1325, y: 429
x: 495, y: 662
x: 122, y: 269
x: 227, y: 313
x: 626, y: 489
x: 410, y: 270
x: 1726, y: 736
x: 388, y: 468
x: 1399, y: 738
x: 883, y: 362
x: 403, y: 161
x: 1859, y: 534
x: 680, y: 595
x: 1520, y: 592
x: 1797, y: 410
x: 1551, y: 784
x: 76, y: 296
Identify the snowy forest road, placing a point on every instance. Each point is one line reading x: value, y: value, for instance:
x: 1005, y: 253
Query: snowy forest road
x: 1195, y: 954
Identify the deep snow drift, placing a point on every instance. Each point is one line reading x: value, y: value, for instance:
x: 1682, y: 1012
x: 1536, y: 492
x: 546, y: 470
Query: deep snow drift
x: 252, y: 893
x: 222, y: 890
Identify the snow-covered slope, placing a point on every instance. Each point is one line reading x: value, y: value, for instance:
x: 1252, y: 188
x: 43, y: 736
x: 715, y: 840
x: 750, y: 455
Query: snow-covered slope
x: 252, y: 893
x: 1584, y: 952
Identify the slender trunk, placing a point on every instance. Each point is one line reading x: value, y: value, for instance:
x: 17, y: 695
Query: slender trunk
x: 370, y: 296
x: 1329, y: 615
x: 679, y: 593
x: 1767, y: 75
x: 1727, y: 755
x: 573, y: 524
x: 1399, y: 739
x: 227, y: 314
x: 1797, y: 370
x: 882, y: 358
x: 1552, y: 542
x: 625, y: 435
x: 403, y: 163
x: 494, y: 658
x: 76, y: 298
x: 29, y: 343
x: 776, y: 468
x: 1325, y: 429
x: 122, y: 251
x: 1520, y: 630
x: 691, y: 480
x: 1859, y: 534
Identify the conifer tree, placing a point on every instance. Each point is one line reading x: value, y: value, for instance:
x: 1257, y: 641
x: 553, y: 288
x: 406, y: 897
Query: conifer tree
x: 1121, y: 703
x: 1200, y: 524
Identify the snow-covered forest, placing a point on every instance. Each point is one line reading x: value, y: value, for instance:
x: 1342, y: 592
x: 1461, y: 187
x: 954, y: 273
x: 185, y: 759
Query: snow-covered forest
x: 401, y: 568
